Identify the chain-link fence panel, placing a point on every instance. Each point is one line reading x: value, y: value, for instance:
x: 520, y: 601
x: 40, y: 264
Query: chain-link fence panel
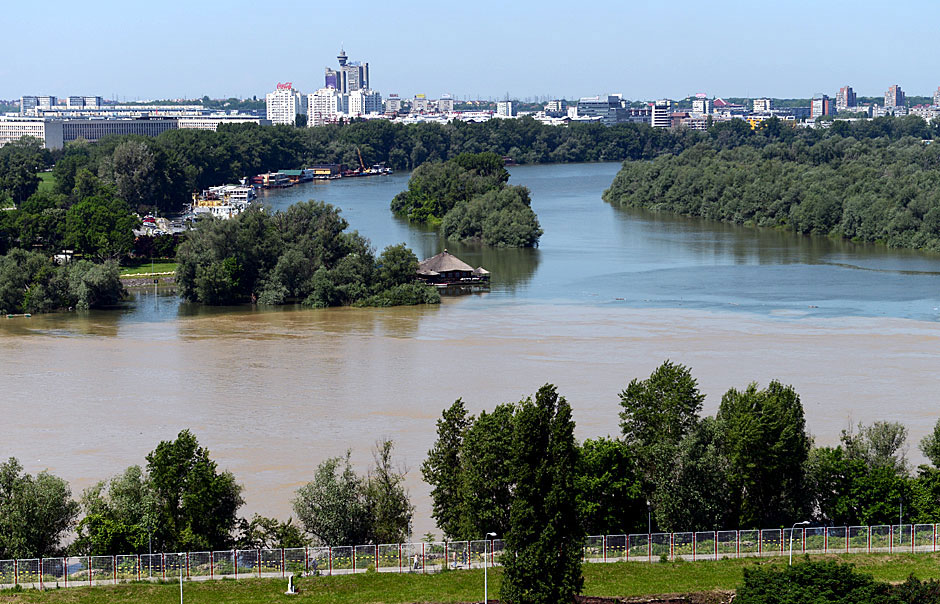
x: 364, y: 558
x: 727, y: 544
x: 295, y: 561
x: 390, y: 560
x: 223, y: 564
x: 175, y: 565
x: 7, y: 573
x: 53, y: 572
x: 272, y: 563
x: 880, y: 538
x: 435, y: 553
x: 902, y: 538
x: 319, y: 561
x: 837, y: 540
x: 102, y: 570
x: 342, y: 560
x: 683, y: 546
x: 771, y: 542
x: 125, y: 567
x: 479, y: 551
x: 413, y: 555
x: 858, y: 539
x: 639, y: 547
x: 458, y: 554
x: 593, y: 549
x: 151, y: 567
x: 706, y: 545
x: 200, y: 565
x: 247, y: 563
x: 616, y: 547
x: 749, y: 543
x: 793, y: 540
x: 499, y: 548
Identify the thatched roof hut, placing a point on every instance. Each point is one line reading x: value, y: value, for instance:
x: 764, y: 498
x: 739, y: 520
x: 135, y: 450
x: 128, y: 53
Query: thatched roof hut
x: 447, y: 268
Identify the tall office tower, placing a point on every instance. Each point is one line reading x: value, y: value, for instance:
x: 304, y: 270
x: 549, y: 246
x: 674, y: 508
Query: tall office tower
x: 820, y: 106
x: 894, y: 97
x: 936, y: 97
x: 349, y: 77
x: 445, y: 104
x: 845, y: 100
x: 364, y: 102
x: 763, y: 105
x: 285, y: 104
x: 661, y: 114
x: 28, y: 105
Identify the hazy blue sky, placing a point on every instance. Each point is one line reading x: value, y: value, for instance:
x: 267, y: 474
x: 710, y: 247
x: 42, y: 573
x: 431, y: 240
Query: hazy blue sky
x: 172, y: 48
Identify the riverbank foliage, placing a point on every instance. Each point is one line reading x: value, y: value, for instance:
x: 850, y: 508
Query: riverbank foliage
x: 879, y: 190
x: 752, y: 465
x: 303, y: 254
x: 469, y: 198
x: 31, y: 283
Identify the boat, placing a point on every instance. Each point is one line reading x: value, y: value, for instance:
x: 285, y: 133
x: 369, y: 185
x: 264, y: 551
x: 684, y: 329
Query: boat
x: 224, y: 201
x: 272, y: 180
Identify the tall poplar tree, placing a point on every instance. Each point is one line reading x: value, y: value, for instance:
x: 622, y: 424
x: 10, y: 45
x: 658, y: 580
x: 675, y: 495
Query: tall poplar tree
x: 542, y: 559
x: 442, y: 468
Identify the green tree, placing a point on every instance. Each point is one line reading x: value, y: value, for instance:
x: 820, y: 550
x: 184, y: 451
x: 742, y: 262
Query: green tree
x: 882, y: 444
x: 396, y: 265
x: 195, y: 504
x: 268, y: 533
x: 101, y: 226
x: 119, y: 516
x: 387, y: 498
x: 443, y: 466
x: 610, y: 492
x: 542, y: 560
x: 764, y: 433
x: 930, y: 445
x: 36, y: 512
x: 332, y: 507
x: 487, y: 479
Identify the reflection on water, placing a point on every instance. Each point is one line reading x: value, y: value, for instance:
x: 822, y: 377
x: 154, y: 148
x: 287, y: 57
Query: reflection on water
x: 607, y: 296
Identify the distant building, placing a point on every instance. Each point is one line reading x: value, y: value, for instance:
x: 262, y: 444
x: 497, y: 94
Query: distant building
x: 349, y: 77
x: 325, y: 105
x: 364, y: 102
x: 506, y: 108
x: 48, y: 131
x: 419, y: 104
x: 845, y: 99
x: 763, y: 105
x: 556, y: 108
x: 92, y: 102
x: 702, y: 106
x: 936, y: 97
x: 94, y: 130
x: 75, y: 102
x: 894, y: 97
x: 30, y: 105
x: 445, y: 104
x: 285, y: 104
x: 820, y: 106
x: 212, y: 122
x: 447, y: 269
x: 661, y: 114
x: 392, y: 104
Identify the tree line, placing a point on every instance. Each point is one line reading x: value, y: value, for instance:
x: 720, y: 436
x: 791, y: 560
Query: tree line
x: 469, y: 198
x: 303, y: 254
x: 881, y: 190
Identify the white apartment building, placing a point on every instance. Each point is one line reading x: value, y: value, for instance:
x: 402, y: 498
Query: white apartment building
x: 364, y: 102
x: 325, y: 106
x: 702, y: 106
x: 505, y: 109
x: 763, y: 105
x: 48, y: 131
x: 285, y: 104
x: 661, y: 114
x: 445, y: 104
x: 419, y: 104
x: 393, y: 104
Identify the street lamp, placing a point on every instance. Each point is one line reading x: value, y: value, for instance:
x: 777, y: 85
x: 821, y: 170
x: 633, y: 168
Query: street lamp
x: 804, y: 523
x: 485, y: 563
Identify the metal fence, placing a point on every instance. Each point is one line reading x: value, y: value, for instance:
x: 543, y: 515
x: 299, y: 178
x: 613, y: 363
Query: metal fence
x: 425, y: 557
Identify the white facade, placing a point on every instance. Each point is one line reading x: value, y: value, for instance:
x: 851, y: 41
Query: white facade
x: 505, y: 109
x: 325, y: 106
x: 364, y: 102
x: 212, y: 122
x: 661, y: 114
x: 284, y: 105
x: 419, y: 104
x: 48, y: 131
x: 446, y: 104
x: 392, y: 104
x: 763, y: 105
x: 702, y: 106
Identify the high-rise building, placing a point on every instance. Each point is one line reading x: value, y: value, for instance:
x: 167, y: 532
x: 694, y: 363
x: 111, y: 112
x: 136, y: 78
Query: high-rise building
x: 364, y: 102
x: 556, y: 107
x: 75, y: 102
x: 28, y: 105
x: 702, y: 106
x: 325, y: 105
x: 393, y: 104
x: 285, y: 104
x: 763, y: 105
x: 419, y: 104
x: 505, y: 108
x: 894, y: 97
x: 92, y: 102
x: 845, y: 99
x: 820, y: 106
x: 936, y: 97
x: 661, y: 114
x: 349, y: 77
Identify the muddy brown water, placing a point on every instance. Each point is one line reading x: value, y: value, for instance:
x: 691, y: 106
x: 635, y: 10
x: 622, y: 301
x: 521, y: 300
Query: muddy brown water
x: 607, y: 296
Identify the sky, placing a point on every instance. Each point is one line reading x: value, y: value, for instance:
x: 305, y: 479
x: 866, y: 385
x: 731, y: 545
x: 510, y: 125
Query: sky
x: 479, y: 49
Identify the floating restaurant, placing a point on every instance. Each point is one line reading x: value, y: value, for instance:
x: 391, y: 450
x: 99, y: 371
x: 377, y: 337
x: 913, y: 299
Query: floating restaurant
x: 447, y: 270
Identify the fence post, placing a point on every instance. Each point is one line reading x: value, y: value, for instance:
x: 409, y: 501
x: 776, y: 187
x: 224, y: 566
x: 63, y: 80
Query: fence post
x: 826, y: 540
x: 282, y: 562
x: 235, y: 560
x: 65, y: 574
x: 760, y: 543
x: 890, y: 538
x: 869, y: 538
x: 211, y: 565
x: 114, y: 569
x: 737, y: 543
x: 40, y: 572
x: 376, y: 557
x: 187, y: 565
x: 912, y: 537
x: 423, y: 564
x: 258, y: 560
x: 605, y: 548
x: 694, y: 543
x: 716, y: 545
x: 138, y: 567
x: 672, y: 546
x: 306, y: 559
x: 626, y: 543
x: 88, y: 564
x: 163, y: 564
x: 330, y: 553
x: 781, y: 540
x: 649, y: 547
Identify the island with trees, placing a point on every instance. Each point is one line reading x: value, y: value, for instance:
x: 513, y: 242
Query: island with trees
x: 469, y: 198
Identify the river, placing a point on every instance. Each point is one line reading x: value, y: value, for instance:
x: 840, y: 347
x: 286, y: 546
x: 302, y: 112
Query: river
x: 607, y: 296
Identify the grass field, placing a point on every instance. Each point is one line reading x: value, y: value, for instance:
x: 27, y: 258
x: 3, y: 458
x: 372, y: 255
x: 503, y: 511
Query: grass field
x: 46, y: 182
x: 145, y: 269
x: 617, y: 579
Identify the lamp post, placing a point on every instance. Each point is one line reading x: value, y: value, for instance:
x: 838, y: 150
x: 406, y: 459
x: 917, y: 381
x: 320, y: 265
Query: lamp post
x: 804, y: 523
x: 485, y: 564
x: 649, y: 517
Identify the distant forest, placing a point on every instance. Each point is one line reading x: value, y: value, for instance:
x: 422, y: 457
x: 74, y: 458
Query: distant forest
x: 875, y: 181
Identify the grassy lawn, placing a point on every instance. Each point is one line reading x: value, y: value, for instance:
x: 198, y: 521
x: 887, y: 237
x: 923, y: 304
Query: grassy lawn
x: 162, y: 266
x: 618, y: 579
x: 46, y: 182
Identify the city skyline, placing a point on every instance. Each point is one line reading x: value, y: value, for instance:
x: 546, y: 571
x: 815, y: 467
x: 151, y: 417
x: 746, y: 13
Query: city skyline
x: 488, y: 50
